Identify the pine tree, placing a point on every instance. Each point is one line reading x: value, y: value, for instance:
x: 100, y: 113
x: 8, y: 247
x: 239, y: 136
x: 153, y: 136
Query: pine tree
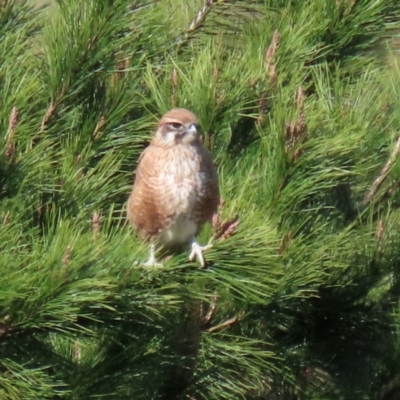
x: 300, y: 297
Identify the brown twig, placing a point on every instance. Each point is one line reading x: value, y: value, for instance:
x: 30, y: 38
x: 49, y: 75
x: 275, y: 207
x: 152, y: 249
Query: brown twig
x: 226, y: 324
x: 49, y: 114
x: 95, y: 224
x: 10, y: 140
x: 285, y: 242
x: 67, y: 256
x: 270, y: 64
x: 121, y: 71
x: 296, y: 131
x: 7, y: 217
x: 271, y: 71
x: 5, y: 326
x: 224, y: 229
x: 201, y: 15
x: 174, y: 84
x: 270, y: 53
x: 12, y: 122
x: 382, y: 175
x: 51, y: 109
x: 77, y: 351
x: 198, y: 21
x: 379, y: 234
x: 262, y: 106
x: 211, y: 311
x: 99, y: 129
x: 65, y: 262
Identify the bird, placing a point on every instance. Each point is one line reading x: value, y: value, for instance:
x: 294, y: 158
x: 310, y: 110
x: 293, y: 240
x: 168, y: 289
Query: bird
x: 176, y: 190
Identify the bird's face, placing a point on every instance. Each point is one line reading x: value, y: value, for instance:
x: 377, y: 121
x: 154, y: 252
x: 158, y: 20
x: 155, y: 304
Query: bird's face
x: 178, y: 126
x: 176, y: 133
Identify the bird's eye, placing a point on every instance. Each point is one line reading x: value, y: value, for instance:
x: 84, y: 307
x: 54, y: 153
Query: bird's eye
x: 175, y: 125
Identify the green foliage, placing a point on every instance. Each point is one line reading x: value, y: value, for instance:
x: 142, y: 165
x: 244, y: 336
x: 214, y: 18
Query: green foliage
x: 301, y: 117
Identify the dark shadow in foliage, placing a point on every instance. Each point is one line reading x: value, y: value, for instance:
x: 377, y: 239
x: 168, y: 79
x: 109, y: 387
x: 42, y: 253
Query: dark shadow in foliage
x: 181, y: 347
x: 335, y: 204
x: 349, y: 340
x: 32, y: 350
x: 344, y: 202
x: 350, y: 335
x: 125, y: 357
x: 243, y: 135
x: 392, y: 394
x: 338, y: 332
x: 10, y: 177
x: 131, y: 343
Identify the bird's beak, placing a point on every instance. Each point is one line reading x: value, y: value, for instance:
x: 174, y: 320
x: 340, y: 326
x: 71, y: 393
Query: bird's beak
x: 192, y: 130
x: 190, y: 135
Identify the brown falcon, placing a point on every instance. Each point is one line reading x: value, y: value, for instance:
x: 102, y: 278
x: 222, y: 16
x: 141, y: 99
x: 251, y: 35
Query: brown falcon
x: 176, y: 187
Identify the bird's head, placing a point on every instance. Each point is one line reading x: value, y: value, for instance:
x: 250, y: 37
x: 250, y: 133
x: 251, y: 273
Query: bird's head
x: 177, y: 126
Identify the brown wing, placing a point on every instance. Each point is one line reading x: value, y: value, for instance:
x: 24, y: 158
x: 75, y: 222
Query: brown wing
x: 209, y: 201
x: 145, y: 209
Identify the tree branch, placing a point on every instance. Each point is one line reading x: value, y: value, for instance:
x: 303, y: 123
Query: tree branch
x: 383, y: 174
x: 226, y: 324
x: 211, y: 311
x: 197, y: 22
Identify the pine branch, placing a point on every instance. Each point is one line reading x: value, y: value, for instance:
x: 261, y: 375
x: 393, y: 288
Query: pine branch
x: 197, y: 22
x: 68, y: 280
x: 211, y: 311
x: 201, y: 15
x: 10, y: 135
x: 226, y: 324
x: 383, y: 174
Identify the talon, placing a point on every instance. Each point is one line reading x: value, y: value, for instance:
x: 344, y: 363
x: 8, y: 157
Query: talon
x: 151, y: 262
x: 197, y: 252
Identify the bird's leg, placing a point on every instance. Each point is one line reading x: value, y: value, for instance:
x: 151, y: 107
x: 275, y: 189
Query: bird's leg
x: 151, y: 262
x: 197, y: 251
